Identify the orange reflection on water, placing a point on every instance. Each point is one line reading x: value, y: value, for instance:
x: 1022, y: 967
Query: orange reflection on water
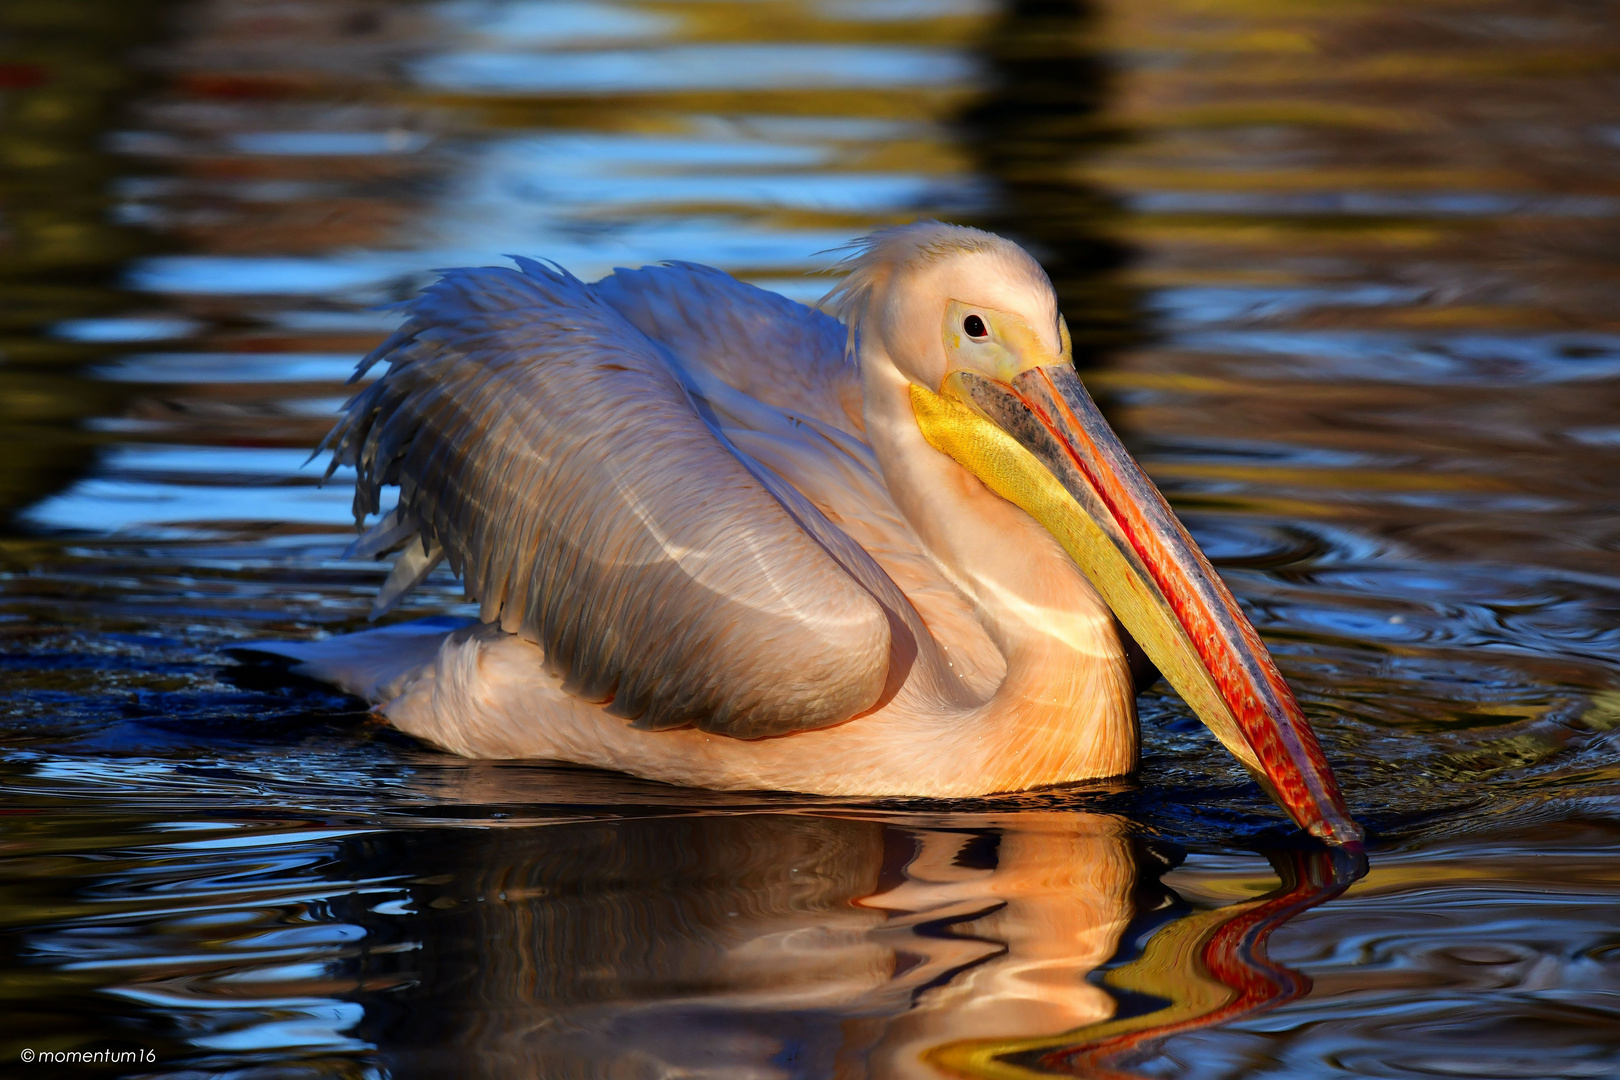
x: 800, y: 945
x: 1210, y: 968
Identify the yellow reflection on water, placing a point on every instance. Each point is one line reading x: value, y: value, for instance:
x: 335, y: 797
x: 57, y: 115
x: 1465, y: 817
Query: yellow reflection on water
x: 1209, y: 967
x: 895, y: 947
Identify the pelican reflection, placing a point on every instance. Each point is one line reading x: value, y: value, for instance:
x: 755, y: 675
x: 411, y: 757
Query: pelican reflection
x: 798, y: 945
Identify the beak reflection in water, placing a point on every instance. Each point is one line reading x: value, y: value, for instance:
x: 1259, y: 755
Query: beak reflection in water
x: 1040, y: 442
x: 798, y: 945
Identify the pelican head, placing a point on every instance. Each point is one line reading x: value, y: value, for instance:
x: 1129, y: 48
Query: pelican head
x: 966, y: 325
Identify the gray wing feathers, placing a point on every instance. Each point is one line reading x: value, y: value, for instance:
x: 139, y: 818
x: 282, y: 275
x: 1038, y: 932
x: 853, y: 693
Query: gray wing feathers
x: 394, y: 532
x: 548, y: 447
x: 772, y: 349
x: 412, y: 567
x: 758, y: 362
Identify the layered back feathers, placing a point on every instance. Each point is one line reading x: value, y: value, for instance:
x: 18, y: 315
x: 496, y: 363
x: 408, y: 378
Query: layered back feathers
x: 550, y: 448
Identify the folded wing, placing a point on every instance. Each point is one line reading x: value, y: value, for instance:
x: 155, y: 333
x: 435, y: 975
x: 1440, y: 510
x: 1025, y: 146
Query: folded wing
x: 550, y: 449
x: 761, y: 344
x: 777, y: 382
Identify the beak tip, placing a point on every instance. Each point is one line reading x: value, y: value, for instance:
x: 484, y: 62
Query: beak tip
x: 1339, y: 831
x: 1125, y: 538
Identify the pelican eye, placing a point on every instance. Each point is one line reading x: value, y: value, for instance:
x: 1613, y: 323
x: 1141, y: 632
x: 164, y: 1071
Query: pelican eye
x: 974, y: 326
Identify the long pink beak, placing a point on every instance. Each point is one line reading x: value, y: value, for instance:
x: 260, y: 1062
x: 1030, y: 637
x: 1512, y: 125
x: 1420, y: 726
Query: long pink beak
x: 1165, y: 593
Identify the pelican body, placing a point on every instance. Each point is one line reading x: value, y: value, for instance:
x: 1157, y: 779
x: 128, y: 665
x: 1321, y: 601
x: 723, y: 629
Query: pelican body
x: 721, y: 539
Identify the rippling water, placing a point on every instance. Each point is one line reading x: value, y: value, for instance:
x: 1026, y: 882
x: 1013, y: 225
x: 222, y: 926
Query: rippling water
x: 1344, y: 276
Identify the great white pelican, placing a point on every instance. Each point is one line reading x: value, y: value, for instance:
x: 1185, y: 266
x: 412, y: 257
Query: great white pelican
x: 722, y: 539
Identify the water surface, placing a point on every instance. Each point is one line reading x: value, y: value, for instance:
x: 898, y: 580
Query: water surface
x: 1343, y: 276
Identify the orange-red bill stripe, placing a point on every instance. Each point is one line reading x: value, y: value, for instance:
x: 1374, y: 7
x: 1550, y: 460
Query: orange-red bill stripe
x: 1226, y: 642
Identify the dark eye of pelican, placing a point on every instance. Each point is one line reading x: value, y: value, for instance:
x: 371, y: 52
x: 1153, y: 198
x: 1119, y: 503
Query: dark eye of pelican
x: 974, y: 326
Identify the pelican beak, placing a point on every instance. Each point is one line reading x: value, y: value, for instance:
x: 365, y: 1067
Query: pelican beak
x: 1039, y: 441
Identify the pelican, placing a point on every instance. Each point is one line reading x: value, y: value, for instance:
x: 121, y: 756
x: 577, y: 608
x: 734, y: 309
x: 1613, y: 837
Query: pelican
x: 887, y: 547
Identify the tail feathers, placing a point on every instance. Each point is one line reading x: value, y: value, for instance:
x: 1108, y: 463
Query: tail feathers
x: 373, y: 664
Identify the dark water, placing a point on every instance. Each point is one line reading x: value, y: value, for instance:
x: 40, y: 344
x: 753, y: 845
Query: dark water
x: 1347, y: 277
